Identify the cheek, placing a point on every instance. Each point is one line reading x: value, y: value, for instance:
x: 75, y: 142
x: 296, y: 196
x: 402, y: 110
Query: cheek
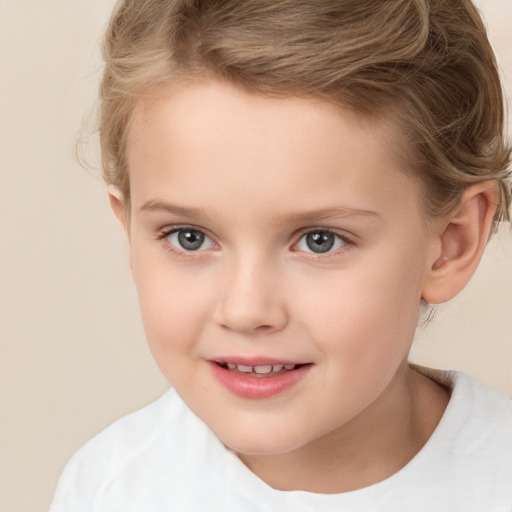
x: 174, y: 308
x: 368, y: 314
x: 368, y: 335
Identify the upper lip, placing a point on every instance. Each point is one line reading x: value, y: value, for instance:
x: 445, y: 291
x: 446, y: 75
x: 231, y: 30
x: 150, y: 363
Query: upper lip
x: 254, y: 361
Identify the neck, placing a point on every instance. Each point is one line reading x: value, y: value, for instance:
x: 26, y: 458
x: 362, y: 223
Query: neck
x: 374, y: 445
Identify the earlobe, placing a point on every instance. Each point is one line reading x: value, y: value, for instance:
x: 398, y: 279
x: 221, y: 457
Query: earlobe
x: 461, y: 243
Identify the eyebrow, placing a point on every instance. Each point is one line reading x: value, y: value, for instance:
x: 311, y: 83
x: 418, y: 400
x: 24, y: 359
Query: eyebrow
x: 182, y: 211
x: 306, y: 216
x: 325, y: 214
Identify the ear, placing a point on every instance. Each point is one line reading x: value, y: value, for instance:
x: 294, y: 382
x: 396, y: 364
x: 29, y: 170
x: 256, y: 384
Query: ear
x: 460, y: 244
x: 115, y: 197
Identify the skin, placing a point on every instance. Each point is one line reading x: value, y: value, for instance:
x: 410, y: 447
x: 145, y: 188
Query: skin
x: 255, y: 174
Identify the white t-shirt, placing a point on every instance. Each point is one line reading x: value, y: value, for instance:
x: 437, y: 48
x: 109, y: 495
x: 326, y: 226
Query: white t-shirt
x: 163, y: 458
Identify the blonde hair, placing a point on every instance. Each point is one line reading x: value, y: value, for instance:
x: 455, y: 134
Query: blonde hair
x: 427, y: 65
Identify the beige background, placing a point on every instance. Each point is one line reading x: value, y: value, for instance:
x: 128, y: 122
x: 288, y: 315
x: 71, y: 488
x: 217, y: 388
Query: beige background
x: 73, y: 356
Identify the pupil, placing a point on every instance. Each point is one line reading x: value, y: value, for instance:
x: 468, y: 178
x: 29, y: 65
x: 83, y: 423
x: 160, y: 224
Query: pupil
x: 191, y: 240
x: 320, y: 242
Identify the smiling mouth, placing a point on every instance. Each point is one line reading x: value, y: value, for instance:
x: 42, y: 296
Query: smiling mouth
x: 268, y: 370
x: 262, y: 379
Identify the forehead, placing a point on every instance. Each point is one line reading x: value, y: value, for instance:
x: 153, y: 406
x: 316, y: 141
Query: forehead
x: 211, y: 107
x: 212, y: 141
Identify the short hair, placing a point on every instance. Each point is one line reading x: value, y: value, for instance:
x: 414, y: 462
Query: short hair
x: 426, y: 65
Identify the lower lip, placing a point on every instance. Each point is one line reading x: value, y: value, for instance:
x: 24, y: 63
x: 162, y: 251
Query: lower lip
x: 257, y: 387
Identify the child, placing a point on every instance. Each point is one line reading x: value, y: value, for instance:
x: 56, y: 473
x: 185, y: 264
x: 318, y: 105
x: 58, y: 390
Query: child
x: 298, y: 179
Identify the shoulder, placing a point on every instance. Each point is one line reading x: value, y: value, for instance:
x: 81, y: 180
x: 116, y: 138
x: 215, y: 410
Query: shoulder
x: 130, y: 434
x: 483, y: 414
x: 476, y: 413
x: 114, y: 458
x: 474, y: 401
x: 470, y: 452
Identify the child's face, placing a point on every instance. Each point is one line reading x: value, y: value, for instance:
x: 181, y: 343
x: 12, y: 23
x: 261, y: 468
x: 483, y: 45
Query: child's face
x: 267, y: 232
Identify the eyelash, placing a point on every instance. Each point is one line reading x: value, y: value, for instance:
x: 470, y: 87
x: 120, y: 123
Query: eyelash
x: 166, y: 232
x: 347, y: 244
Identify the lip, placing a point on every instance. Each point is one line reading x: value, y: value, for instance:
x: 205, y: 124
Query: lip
x: 261, y: 387
x: 253, y: 361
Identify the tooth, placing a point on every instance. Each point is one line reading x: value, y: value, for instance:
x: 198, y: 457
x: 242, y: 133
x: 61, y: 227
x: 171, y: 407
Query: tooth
x: 231, y: 366
x: 263, y: 369
x: 289, y: 366
x: 243, y: 368
x: 277, y: 367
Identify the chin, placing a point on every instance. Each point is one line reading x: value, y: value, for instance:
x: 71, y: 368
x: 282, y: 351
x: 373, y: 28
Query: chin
x: 260, y: 441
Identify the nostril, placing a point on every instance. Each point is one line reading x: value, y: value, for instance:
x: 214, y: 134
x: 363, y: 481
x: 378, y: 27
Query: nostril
x: 263, y: 328
x: 242, y: 329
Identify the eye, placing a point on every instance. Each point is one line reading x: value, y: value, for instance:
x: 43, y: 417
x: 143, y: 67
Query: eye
x: 189, y: 239
x: 320, y: 241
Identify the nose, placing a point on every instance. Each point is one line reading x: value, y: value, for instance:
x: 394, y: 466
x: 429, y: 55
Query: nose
x: 251, y: 300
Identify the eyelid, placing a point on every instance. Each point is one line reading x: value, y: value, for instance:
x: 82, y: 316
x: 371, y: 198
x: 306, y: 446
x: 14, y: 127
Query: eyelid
x: 173, y: 228
x: 344, y: 235
x: 167, y: 231
x: 347, y: 242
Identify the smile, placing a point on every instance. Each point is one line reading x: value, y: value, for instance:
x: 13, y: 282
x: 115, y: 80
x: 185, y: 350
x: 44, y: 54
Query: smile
x: 268, y: 370
x: 258, y: 381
